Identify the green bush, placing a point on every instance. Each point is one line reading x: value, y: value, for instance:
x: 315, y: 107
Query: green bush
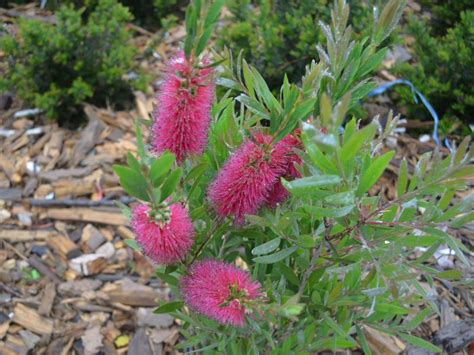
x: 146, y: 13
x: 444, y: 69
x: 279, y: 36
x: 150, y: 14
x: 445, y: 13
x: 82, y: 58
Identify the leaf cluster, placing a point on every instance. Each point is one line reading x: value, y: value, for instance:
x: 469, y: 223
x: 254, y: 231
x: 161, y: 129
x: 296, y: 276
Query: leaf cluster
x: 334, y: 259
x: 279, y: 36
x: 443, y: 69
x: 85, y: 57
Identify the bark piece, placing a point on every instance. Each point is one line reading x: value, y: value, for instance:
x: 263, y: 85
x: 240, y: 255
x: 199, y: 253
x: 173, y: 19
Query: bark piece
x: 10, y: 194
x: 30, y: 187
x: 456, y: 335
x: 90, y: 136
x: 64, y: 246
x: 140, y: 343
x: 146, y: 318
x: 91, y: 239
x: 21, y: 236
x: 30, y: 339
x: 77, y: 288
x: 86, y: 215
x: 92, y: 340
x: 72, y: 188
x: 32, y: 320
x: 134, y: 297
x: 47, y: 300
x: 125, y: 232
x: 381, y: 343
x: 58, y: 174
x: 88, y: 264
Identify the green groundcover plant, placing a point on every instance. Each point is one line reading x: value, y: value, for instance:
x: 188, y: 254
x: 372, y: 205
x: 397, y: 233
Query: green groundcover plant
x: 443, y: 68
x: 81, y: 58
x: 256, y: 207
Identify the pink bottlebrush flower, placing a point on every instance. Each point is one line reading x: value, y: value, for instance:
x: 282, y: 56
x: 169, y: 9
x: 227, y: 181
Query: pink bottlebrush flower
x: 165, y: 238
x: 285, y: 150
x: 245, y: 181
x: 183, y: 112
x: 220, y: 291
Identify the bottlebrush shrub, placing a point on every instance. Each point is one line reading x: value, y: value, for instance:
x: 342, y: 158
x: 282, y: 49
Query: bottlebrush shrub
x: 326, y: 262
x: 279, y: 36
x: 58, y: 67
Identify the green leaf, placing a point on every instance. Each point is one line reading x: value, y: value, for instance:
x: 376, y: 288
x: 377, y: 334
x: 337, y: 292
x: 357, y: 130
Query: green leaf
x: 413, y: 241
x: 336, y: 328
x: 133, y: 163
x: 196, y: 172
x: 169, y: 279
x: 132, y: 182
x: 253, y: 105
x: 363, y: 341
x: 373, y: 62
x: 417, y: 319
x: 420, y: 343
x: 125, y: 209
x: 132, y: 243
x: 402, y: 178
x: 169, y: 307
x: 307, y: 185
x: 203, y: 40
x: 341, y: 198
x: 329, y: 212
x: 267, y: 247
x: 213, y: 13
x: 326, y: 110
x: 276, y: 257
x: 450, y: 274
x: 169, y: 186
x: 160, y: 167
x: 374, y: 172
x: 289, y: 274
x: 390, y: 308
x: 357, y: 141
x: 453, y: 243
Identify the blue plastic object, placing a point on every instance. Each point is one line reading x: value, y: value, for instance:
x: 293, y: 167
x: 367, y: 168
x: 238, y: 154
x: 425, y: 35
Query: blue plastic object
x: 416, y: 94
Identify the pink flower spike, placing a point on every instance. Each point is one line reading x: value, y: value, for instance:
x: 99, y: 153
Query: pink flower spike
x: 220, y: 291
x: 285, y: 150
x: 167, y: 241
x: 183, y: 112
x: 244, y: 183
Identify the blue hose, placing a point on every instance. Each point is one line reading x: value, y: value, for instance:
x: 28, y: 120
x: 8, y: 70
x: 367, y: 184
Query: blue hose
x: 416, y: 94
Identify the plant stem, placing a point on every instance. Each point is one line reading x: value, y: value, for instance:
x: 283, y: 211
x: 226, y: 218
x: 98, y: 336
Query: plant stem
x: 201, y: 247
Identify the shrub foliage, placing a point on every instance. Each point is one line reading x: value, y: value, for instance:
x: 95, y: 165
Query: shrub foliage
x: 332, y: 259
x: 81, y: 58
x: 279, y: 36
x: 444, y: 67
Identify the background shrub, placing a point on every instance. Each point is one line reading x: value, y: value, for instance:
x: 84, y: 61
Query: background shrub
x: 279, y: 36
x: 150, y: 14
x: 146, y: 13
x: 444, y: 68
x: 445, y: 13
x: 85, y: 57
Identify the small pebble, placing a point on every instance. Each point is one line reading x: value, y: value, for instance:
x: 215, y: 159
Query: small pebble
x: 39, y: 250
